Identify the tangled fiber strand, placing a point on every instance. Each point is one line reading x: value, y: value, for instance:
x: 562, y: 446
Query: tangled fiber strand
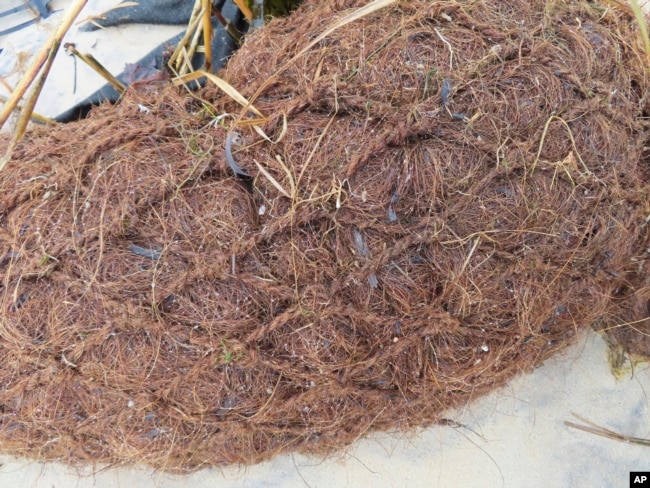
x: 460, y: 188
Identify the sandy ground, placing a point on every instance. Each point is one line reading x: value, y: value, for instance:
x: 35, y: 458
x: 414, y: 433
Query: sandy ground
x: 514, y: 437
x: 72, y: 81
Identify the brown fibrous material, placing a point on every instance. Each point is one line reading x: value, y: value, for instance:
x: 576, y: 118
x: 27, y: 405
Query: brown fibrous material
x: 460, y: 189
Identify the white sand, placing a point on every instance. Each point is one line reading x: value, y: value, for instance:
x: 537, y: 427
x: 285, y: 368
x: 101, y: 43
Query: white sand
x: 113, y: 48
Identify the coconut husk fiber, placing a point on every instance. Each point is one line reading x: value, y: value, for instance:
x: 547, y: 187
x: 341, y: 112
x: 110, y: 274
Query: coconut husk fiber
x: 459, y: 189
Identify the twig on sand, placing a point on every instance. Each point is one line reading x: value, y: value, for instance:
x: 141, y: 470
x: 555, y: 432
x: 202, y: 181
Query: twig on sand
x: 604, y: 432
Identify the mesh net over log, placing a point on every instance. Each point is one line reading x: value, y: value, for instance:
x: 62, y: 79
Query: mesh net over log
x: 459, y: 189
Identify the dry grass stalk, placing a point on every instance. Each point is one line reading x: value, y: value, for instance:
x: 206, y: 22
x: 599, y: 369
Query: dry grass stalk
x: 42, y: 63
x: 596, y: 429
